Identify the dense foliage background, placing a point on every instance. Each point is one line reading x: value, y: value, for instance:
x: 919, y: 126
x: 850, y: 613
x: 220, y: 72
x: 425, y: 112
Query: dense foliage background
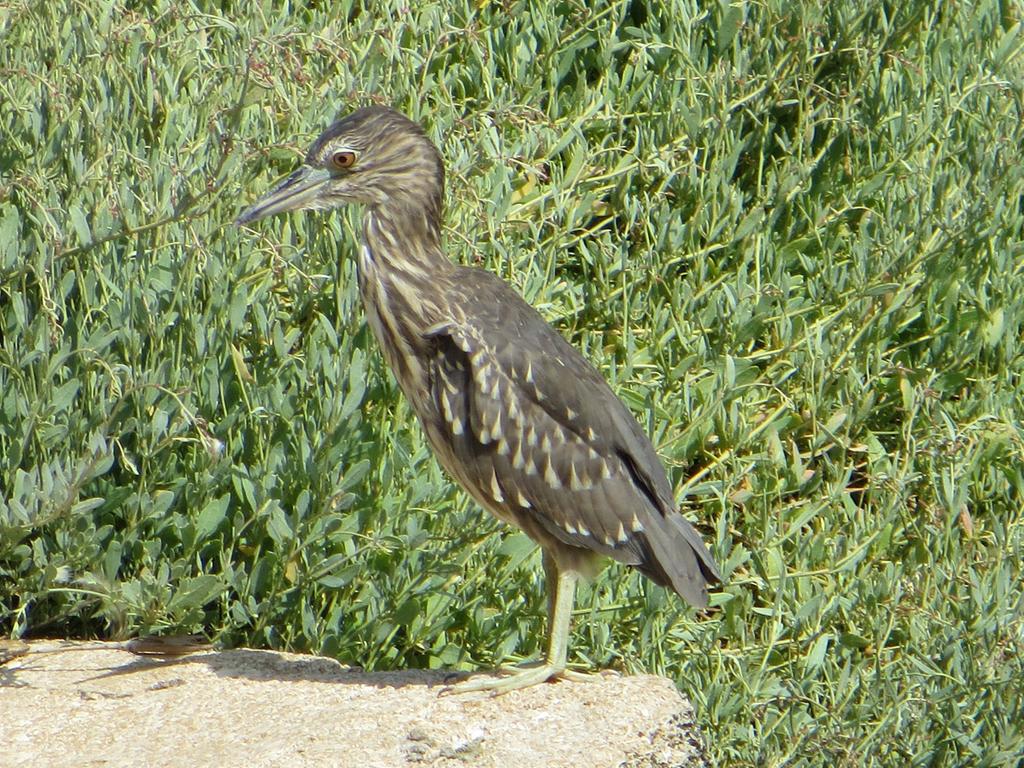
x: 790, y: 236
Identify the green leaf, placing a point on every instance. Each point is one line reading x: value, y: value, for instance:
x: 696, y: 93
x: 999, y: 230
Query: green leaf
x: 732, y: 17
x: 80, y: 224
x: 407, y: 612
x: 816, y: 656
x: 212, y: 515
x: 278, y: 527
x: 65, y: 394
x: 517, y: 547
x: 196, y: 592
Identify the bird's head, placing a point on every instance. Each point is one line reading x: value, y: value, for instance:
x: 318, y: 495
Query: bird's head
x: 374, y: 156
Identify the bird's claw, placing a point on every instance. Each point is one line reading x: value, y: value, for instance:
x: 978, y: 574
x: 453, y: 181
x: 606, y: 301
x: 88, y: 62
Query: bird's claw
x: 507, y: 679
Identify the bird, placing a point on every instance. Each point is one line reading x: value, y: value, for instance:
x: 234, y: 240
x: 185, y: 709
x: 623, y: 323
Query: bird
x: 512, y: 411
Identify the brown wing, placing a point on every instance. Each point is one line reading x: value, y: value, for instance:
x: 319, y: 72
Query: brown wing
x: 542, y: 440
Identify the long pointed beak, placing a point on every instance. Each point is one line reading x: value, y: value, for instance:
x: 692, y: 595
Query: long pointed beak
x: 298, y: 191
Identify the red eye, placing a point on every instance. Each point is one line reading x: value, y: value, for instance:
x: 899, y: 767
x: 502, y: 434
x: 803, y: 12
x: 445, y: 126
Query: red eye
x: 343, y: 159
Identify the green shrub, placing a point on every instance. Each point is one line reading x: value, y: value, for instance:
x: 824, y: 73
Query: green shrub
x: 791, y: 237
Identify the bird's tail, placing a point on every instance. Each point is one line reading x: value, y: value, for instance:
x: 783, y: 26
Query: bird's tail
x: 680, y: 560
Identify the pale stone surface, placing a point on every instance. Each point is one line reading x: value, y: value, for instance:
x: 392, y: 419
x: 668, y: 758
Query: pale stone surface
x: 95, y: 704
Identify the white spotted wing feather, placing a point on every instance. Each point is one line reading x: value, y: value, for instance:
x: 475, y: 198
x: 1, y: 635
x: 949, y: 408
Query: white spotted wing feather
x: 538, y: 437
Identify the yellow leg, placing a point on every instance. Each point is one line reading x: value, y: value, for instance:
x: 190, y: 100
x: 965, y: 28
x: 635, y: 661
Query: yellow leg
x: 561, y: 594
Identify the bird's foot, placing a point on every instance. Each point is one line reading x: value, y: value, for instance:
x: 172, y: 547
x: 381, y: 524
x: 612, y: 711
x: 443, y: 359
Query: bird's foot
x: 516, y: 678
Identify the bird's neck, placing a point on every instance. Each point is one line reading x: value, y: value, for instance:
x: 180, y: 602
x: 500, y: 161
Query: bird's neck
x: 402, y: 272
x: 402, y: 240
x: 401, y: 265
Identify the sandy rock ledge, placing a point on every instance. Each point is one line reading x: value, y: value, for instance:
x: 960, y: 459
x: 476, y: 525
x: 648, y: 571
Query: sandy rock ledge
x: 95, y: 704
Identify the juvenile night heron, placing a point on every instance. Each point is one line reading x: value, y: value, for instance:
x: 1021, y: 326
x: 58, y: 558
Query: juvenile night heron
x: 514, y: 413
